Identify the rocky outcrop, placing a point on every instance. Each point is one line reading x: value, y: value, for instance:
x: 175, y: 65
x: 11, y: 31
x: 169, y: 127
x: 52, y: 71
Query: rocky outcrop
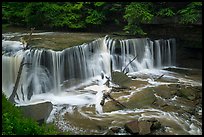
x: 121, y: 79
x: 141, y: 99
x: 39, y: 112
x: 132, y: 127
x: 189, y: 93
x: 143, y: 126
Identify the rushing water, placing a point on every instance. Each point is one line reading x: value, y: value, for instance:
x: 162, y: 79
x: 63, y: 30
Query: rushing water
x: 75, y: 77
x: 49, y: 70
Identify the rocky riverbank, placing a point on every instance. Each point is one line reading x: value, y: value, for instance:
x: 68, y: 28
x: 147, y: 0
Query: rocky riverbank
x: 171, y: 105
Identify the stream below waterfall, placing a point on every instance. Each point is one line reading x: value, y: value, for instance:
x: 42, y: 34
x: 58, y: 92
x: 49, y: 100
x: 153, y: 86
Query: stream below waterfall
x: 73, y: 80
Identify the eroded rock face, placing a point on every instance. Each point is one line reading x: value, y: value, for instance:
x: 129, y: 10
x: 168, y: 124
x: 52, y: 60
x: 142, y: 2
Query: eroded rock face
x: 39, y: 112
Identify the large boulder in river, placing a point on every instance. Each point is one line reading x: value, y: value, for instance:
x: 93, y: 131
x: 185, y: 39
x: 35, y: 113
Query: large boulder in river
x: 39, y: 112
x: 121, y: 79
x: 142, y: 126
x: 141, y: 99
x: 132, y: 127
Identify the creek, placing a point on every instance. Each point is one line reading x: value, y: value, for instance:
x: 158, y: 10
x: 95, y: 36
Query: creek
x: 73, y: 80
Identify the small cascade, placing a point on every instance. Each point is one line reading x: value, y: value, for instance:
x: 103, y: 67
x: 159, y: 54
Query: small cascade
x: 56, y: 71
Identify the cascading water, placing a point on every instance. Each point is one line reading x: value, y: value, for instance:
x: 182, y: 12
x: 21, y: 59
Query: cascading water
x: 50, y: 70
x: 73, y: 81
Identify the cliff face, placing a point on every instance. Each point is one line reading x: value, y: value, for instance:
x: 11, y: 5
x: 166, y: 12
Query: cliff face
x: 188, y: 39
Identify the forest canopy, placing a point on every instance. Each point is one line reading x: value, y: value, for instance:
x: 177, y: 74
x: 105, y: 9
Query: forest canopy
x: 79, y: 16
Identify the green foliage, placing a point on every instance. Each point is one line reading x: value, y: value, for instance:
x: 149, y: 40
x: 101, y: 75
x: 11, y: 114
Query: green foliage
x: 191, y: 13
x: 86, y: 15
x: 12, y: 12
x: 135, y: 14
x: 35, y: 15
x: 13, y: 122
x: 59, y: 15
x: 166, y: 12
x: 95, y: 17
x: 99, y: 3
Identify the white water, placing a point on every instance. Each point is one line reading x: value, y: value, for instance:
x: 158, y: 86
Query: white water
x: 74, y: 76
x: 55, y: 72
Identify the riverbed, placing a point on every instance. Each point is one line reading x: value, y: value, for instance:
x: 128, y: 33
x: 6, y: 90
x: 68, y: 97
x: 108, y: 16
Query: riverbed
x: 174, y: 100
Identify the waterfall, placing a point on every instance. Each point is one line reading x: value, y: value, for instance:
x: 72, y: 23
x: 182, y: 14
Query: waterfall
x: 55, y: 71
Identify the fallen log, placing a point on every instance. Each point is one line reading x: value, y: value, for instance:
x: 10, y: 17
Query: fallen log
x: 107, y: 95
x: 116, y: 101
x: 30, y: 37
x: 26, y: 42
x: 159, y: 77
x: 129, y: 63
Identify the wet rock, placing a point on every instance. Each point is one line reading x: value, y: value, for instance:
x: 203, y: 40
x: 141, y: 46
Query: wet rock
x: 109, y: 132
x: 160, y: 102
x: 141, y: 99
x: 121, y: 79
x: 163, y: 91
x: 39, y: 112
x: 187, y: 93
x: 134, y: 77
x: 132, y: 127
x: 144, y: 127
x: 115, y: 129
x: 112, y: 106
x: 170, y: 108
x: 156, y: 125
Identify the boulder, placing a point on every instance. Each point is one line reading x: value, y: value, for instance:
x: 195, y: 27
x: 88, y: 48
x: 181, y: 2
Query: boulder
x: 144, y: 127
x: 141, y: 99
x: 164, y: 91
x: 115, y: 129
x: 132, y: 127
x: 187, y: 92
x: 121, y: 79
x: 39, y: 112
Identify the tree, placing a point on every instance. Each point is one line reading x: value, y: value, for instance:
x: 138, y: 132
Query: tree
x: 191, y: 13
x: 12, y: 13
x: 137, y: 13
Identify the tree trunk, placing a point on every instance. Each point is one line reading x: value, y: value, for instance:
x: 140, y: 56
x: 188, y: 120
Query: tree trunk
x: 11, y: 98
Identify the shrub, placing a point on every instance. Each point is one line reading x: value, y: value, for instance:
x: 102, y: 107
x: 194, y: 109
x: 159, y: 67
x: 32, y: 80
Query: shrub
x: 14, y: 123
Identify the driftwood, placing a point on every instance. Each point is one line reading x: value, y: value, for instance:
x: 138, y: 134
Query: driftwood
x: 107, y: 95
x: 129, y: 63
x: 107, y: 83
x: 117, y: 89
x: 30, y: 36
x: 25, y: 41
x: 159, y: 77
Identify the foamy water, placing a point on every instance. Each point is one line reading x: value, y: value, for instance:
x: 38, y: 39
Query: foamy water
x: 73, y: 80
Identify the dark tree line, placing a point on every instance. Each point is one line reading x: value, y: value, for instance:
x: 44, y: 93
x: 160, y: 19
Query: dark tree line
x: 85, y: 15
